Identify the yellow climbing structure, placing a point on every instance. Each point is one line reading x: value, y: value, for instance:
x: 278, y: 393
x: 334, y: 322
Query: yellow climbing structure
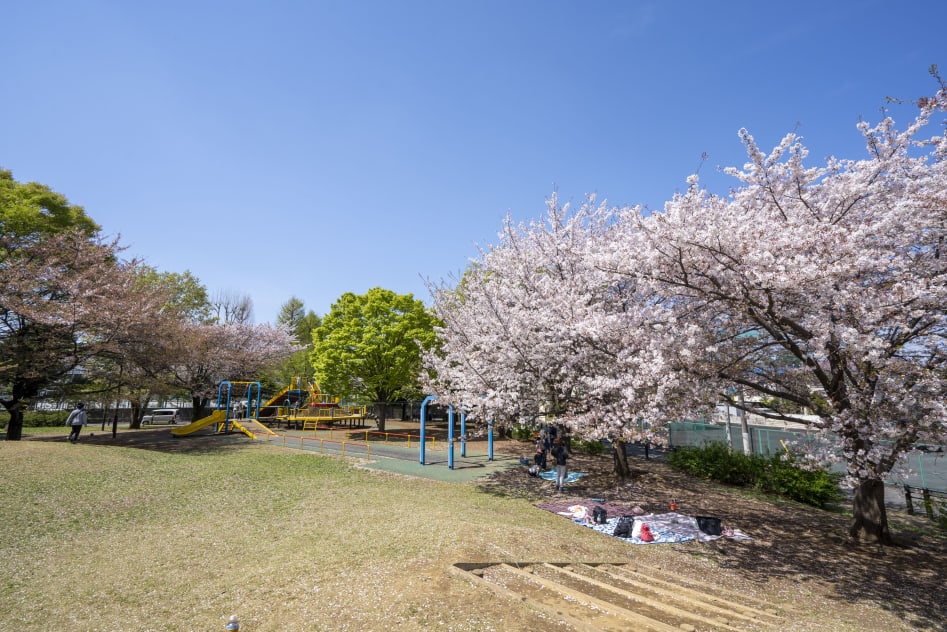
x: 216, y: 417
x: 249, y: 427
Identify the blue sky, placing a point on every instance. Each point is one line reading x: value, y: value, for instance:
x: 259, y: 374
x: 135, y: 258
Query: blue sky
x: 291, y: 148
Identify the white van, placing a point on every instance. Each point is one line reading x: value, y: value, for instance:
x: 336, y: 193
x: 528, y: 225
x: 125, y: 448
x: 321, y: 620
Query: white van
x: 161, y: 416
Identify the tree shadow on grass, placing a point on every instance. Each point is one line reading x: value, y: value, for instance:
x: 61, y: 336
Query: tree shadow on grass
x: 159, y: 440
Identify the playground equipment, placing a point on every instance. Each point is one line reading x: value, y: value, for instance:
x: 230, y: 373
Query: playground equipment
x: 226, y: 417
x: 303, y: 403
x: 292, y: 396
x: 450, y: 434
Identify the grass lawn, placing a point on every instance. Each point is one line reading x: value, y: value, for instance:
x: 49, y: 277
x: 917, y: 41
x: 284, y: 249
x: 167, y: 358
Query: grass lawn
x: 103, y: 538
x: 106, y: 538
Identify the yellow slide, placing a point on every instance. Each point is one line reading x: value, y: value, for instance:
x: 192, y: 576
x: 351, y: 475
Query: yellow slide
x: 216, y: 417
x: 276, y: 399
x: 245, y: 425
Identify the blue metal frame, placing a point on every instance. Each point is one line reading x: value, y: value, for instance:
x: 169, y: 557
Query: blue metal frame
x: 450, y: 437
x: 450, y: 433
x: 427, y: 400
x: 490, y: 438
x: 255, y: 407
x: 226, y: 404
x: 250, y: 403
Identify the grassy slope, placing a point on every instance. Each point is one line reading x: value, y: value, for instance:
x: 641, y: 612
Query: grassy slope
x: 122, y: 539
x: 108, y: 538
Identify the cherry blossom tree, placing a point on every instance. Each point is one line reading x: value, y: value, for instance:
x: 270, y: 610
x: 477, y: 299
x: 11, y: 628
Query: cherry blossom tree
x: 137, y: 370
x: 201, y: 355
x: 534, y: 330
x: 65, y: 300
x: 819, y: 286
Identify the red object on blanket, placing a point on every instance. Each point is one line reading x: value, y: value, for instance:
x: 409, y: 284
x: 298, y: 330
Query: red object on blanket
x: 646, y: 535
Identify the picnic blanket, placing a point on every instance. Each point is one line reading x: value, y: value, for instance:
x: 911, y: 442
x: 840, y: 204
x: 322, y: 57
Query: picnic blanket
x: 571, y: 477
x: 665, y: 528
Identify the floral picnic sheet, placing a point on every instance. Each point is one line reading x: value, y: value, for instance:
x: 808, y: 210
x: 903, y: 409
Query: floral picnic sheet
x: 665, y: 528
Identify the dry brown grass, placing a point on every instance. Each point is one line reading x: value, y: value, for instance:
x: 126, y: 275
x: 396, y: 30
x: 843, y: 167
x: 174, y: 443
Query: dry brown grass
x: 182, y: 535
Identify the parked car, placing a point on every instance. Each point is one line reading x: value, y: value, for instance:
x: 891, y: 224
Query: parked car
x: 161, y: 416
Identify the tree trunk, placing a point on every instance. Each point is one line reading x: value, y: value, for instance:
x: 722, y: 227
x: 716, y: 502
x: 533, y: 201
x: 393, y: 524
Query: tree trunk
x: 15, y: 424
x: 381, y: 415
x: 137, y: 412
x: 197, y: 406
x: 870, y: 517
x: 622, y: 470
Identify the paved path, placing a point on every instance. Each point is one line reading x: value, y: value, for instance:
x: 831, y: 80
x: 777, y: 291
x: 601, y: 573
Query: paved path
x: 399, y: 458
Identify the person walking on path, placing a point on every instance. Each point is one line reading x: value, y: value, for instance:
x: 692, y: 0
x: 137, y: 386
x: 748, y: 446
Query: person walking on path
x: 77, y: 418
x: 560, y: 452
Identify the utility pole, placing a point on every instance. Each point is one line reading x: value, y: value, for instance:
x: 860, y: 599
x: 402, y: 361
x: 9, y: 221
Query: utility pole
x: 747, y: 448
x: 726, y: 403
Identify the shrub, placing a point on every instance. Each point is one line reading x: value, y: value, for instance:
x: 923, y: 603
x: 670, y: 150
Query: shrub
x: 812, y: 487
x: 521, y: 432
x: 38, y: 418
x: 774, y: 475
x: 715, y: 461
x: 594, y: 448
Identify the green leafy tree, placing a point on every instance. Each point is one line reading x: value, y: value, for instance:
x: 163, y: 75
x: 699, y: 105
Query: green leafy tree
x: 369, y: 346
x: 31, y: 212
x: 188, y: 296
x: 35, y: 351
x: 293, y: 315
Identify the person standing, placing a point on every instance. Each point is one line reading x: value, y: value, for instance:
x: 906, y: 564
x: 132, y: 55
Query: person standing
x: 560, y: 452
x: 77, y: 418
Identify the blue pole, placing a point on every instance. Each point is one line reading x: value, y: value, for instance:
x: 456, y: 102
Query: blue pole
x: 463, y: 434
x: 226, y: 404
x: 427, y: 400
x: 259, y: 399
x: 450, y: 437
x: 250, y: 404
x: 490, y: 439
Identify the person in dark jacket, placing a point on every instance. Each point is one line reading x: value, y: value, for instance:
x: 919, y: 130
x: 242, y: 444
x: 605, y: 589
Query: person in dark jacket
x: 540, y: 457
x: 560, y: 452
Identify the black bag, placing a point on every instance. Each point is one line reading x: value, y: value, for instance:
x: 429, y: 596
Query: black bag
x: 709, y: 525
x: 533, y: 471
x: 624, y: 527
x: 599, y: 515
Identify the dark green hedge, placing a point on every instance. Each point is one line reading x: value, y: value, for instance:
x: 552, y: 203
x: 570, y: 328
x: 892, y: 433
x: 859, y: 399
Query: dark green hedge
x: 37, y: 419
x: 773, y: 474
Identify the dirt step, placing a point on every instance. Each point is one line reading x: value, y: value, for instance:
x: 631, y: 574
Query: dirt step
x: 620, y: 596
